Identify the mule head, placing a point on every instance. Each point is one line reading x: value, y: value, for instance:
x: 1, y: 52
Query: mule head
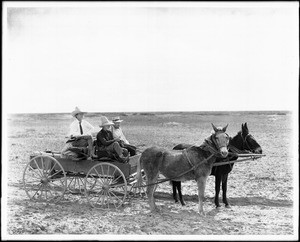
x: 248, y: 141
x: 221, y: 139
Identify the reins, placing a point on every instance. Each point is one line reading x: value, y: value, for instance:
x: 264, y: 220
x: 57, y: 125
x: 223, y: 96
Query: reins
x: 206, y: 146
x: 183, y: 173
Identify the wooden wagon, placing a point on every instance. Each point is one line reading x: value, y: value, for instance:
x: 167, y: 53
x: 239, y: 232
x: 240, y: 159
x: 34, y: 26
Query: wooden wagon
x: 105, y: 182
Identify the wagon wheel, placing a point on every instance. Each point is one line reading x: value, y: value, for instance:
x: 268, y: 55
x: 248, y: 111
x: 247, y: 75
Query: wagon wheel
x: 44, y: 179
x: 134, y: 188
x: 105, y: 186
x: 75, y: 183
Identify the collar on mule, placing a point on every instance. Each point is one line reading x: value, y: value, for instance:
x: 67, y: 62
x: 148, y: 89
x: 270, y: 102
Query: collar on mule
x: 194, y: 166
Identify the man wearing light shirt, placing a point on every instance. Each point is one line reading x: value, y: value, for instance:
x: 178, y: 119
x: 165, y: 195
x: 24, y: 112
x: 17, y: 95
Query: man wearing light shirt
x: 118, y: 133
x: 80, y: 134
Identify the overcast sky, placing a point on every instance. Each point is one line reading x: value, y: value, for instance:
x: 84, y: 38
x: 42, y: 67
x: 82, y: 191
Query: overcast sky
x: 127, y: 57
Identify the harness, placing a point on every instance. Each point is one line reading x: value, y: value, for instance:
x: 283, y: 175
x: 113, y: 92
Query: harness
x: 236, y: 150
x: 245, y: 143
x: 208, y: 145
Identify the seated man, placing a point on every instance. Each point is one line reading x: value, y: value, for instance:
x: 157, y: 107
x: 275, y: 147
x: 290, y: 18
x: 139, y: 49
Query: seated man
x: 118, y: 133
x: 106, y: 142
x: 80, y: 143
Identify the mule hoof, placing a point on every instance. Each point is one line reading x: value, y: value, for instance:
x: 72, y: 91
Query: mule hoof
x: 218, y: 206
x: 182, y: 203
x: 176, y: 201
x: 227, y: 206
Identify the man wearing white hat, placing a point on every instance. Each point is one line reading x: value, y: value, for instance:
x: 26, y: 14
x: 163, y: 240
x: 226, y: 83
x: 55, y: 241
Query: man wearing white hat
x: 118, y: 133
x: 106, y: 141
x: 80, y: 135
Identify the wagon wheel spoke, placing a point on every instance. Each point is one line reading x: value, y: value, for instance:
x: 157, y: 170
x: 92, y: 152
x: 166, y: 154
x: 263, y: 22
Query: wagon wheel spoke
x: 54, y: 174
x: 118, y: 185
x: 110, y: 198
x: 55, y: 191
x: 115, y: 196
x: 38, y: 168
x: 99, y: 176
x: 38, y: 182
x: 49, y: 190
x: 75, y: 185
x: 100, y: 197
x: 136, y: 190
x: 37, y: 191
x: 116, y: 179
x: 70, y: 182
x: 49, y: 173
x: 107, y: 195
x: 34, y: 172
x: 104, y: 194
x: 43, y: 167
x: 55, y: 187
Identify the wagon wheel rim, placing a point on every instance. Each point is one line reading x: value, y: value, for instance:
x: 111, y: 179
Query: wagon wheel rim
x: 44, y: 179
x: 139, y: 190
x: 105, y: 186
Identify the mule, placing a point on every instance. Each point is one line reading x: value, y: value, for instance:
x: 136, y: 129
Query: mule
x: 194, y: 163
x: 241, y: 142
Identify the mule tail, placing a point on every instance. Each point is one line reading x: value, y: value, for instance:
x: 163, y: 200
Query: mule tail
x: 139, y: 173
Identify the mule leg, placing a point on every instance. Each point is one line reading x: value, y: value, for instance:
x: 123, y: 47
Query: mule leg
x: 150, y: 192
x: 224, y: 189
x: 201, y: 182
x: 174, y: 185
x: 179, y: 193
x: 218, y: 178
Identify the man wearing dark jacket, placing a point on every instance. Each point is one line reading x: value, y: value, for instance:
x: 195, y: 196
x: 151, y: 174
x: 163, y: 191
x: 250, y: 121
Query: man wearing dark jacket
x: 106, y: 142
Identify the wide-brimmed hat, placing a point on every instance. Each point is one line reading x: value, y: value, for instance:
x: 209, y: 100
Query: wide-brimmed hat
x: 77, y: 111
x: 117, y: 119
x: 104, y: 121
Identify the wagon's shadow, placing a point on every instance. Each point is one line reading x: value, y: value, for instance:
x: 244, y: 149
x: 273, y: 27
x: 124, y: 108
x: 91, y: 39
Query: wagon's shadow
x: 234, y: 201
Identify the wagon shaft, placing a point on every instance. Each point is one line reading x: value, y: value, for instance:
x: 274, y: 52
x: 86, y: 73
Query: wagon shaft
x: 236, y: 161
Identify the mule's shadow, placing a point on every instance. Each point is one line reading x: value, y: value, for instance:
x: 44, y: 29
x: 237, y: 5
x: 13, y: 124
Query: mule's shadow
x: 234, y: 201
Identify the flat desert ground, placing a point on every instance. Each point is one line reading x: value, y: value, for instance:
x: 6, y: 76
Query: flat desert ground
x: 260, y: 192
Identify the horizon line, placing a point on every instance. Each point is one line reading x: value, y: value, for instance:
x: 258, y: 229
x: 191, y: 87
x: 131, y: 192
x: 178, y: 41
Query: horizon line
x: 215, y: 111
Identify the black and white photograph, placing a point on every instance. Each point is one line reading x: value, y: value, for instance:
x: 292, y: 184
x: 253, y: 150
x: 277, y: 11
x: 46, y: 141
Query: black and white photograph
x: 150, y: 120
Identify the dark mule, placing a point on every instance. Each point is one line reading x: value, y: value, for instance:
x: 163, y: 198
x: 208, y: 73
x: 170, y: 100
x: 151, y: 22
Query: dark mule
x: 178, y: 165
x: 241, y: 142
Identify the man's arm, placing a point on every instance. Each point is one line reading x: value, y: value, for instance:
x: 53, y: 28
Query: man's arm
x: 103, y: 141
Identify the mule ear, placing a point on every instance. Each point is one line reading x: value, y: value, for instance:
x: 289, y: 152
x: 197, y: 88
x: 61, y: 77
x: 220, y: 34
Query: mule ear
x: 246, y: 127
x: 224, y: 129
x: 214, y: 127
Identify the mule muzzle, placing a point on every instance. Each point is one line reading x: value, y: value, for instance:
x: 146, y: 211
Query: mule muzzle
x: 258, y: 150
x: 224, y: 152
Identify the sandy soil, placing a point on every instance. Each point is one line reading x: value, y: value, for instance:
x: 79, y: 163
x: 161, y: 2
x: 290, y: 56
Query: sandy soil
x: 261, y: 192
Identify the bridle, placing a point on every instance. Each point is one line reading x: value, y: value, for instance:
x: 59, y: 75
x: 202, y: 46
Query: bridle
x: 208, y: 145
x: 212, y: 146
x: 213, y: 138
x: 245, y: 142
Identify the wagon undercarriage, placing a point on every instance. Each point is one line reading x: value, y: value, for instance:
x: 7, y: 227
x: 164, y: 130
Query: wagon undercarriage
x: 105, y: 183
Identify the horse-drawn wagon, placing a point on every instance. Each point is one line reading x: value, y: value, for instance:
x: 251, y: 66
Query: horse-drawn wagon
x: 105, y: 182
